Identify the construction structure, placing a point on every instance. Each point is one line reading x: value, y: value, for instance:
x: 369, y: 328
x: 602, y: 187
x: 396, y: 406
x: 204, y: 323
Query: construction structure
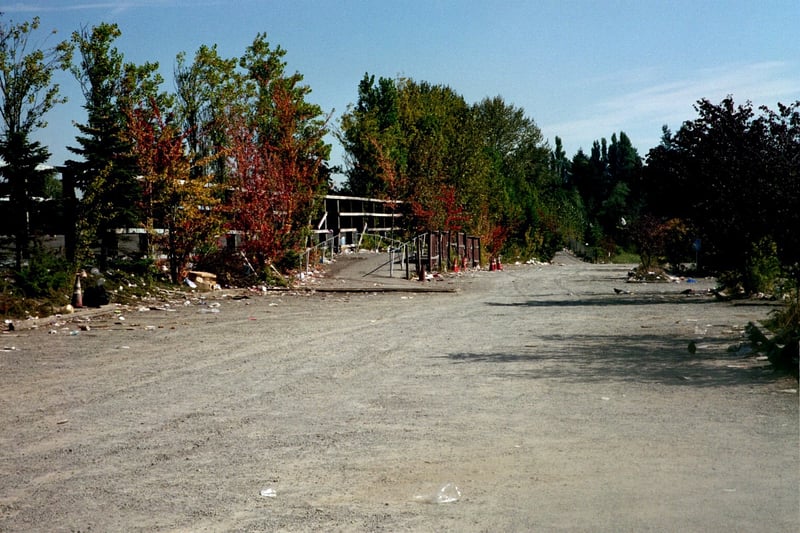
x: 348, y: 216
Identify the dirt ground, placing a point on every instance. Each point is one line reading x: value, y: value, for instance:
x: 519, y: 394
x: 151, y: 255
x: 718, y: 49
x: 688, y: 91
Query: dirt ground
x: 550, y: 401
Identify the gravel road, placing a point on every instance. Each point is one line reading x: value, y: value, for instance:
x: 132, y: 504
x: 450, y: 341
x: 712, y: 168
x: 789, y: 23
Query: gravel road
x: 550, y: 401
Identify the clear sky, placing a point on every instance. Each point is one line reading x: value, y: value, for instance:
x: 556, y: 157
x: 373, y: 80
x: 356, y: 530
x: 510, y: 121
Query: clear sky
x: 580, y: 69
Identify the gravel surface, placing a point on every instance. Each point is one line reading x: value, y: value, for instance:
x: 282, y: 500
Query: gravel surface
x: 537, y: 398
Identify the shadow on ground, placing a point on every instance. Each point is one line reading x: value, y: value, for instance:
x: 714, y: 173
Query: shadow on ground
x: 626, y: 299
x: 623, y: 358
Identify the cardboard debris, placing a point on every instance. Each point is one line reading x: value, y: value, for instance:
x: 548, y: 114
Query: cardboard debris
x: 205, y: 281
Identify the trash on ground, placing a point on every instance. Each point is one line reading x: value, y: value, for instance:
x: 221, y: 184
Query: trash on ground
x: 269, y: 492
x: 447, y: 493
x: 203, y: 281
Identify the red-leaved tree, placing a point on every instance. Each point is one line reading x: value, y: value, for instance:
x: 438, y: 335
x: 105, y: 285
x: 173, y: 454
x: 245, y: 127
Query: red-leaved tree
x: 442, y: 211
x: 181, y: 213
x: 275, y: 157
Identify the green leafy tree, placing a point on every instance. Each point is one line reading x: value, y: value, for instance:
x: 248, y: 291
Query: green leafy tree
x: 207, y: 91
x: 371, y: 135
x: 27, y: 93
x: 735, y: 173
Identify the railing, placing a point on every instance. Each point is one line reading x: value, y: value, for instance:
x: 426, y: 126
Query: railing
x: 398, y: 251
x: 326, y: 246
x: 427, y: 251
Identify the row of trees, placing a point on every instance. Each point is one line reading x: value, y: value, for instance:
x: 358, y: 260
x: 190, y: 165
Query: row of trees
x: 724, y: 187
x: 238, y: 146
x: 484, y: 168
x: 235, y: 146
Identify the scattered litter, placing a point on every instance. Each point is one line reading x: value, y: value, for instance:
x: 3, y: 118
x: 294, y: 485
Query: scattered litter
x: 447, y: 493
x: 209, y: 310
x: 150, y: 328
x: 269, y: 492
x: 789, y: 391
x: 124, y: 347
x: 74, y: 332
x: 9, y: 348
x: 64, y: 421
x: 605, y: 398
x: 84, y: 327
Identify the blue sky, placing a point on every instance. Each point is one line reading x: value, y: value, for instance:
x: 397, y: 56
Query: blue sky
x: 581, y: 69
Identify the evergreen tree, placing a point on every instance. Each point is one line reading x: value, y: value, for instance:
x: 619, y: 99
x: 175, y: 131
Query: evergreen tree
x: 107, y: 174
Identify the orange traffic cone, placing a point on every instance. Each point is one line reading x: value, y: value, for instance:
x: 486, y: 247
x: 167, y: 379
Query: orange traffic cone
x: 77, y: 295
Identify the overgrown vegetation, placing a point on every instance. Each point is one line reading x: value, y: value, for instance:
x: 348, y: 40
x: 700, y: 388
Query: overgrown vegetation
x: 44, y: 276
x: 782, y: 341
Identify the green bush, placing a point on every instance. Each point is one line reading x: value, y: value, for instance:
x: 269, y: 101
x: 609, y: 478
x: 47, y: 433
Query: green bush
x: 763, y: 267
x: 760, y: 272
x: 623, y: 257
x: 45, y: 275
x: 291, y: 260
x: 143, y: 266
x: 371, y: 242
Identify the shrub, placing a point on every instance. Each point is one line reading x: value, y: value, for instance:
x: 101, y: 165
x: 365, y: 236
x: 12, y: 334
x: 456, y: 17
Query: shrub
x: 45, y: 275
x: 762, y: 267
x: 291, y: 260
